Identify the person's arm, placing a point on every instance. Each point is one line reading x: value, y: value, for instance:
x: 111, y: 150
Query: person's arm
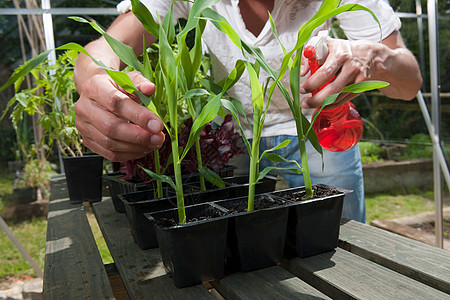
x: 356, y: 61
x: 112, y: 123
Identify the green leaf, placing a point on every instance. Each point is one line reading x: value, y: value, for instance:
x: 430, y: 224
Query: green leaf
x: 161, y: 178
x: 222, y: 24
x: 234, y: 76
x: 294, y: 79
x: 266, y: 170
x: 146, y: 18
x: 195, y: 93
x: 27, y: 67
x: 197, y: 50
x: 275, y: 33
x: 212, y: 177
x: 209, y: 112
x: 185, y: 59
x: 168, y: 25
x: 148, y: 70
x: 279, y: 146
x: 124, y: 52
x: 364, y: 86
x: 234, y: 111
x: 278, y: 159
x: 196, y: 11
x: 257, y: 93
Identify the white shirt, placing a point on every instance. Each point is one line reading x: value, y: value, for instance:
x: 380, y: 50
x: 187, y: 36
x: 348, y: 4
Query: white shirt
x: 289, y: 16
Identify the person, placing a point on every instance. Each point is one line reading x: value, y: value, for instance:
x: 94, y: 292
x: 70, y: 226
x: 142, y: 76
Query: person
x: 116, y: 126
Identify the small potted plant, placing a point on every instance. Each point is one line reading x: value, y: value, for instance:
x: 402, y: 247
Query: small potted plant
x: 307, y: 243
x: 52, y: 99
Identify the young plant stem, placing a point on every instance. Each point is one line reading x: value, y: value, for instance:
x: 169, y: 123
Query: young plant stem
x: 200, y: 164
x: 253, y: 175
x: 178, y: 181
x: 304, y: 158
x: 158, y: 171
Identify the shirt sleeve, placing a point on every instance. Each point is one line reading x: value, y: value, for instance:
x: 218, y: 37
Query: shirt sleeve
x: 160, y: 7
x: 360, y: 25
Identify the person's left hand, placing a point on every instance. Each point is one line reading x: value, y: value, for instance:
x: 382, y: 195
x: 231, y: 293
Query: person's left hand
x: 349, y: 61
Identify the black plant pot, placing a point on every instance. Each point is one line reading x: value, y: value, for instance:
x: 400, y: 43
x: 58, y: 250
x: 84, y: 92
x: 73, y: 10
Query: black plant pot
x: 84, y: 177
x: 21, y: 196
x: 313, y: 224
x: 256, y: 239
x: 117, y: 186
x: 193, y: 252
x: 138, y: 203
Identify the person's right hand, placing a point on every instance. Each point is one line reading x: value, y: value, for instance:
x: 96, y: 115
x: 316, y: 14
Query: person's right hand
x: 115, y: 124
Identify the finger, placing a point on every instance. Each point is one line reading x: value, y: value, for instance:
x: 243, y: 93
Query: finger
x: 315, y: 81
x: 122, y: 105
x: 107, y: 129
x: 142, y: 84
x: 137, y: 146
x: 114, y: 156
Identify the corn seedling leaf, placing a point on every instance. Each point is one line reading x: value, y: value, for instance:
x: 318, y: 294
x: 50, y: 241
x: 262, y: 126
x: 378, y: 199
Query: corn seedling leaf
x: 207, y: 114
x: 28, y: 66
x: 195, y: 93
x: 162, y: 178
x: 364, y: 86
x: 232, y: 108
x: 279, y: 146
x: 196, y: 11
x: 211, y: 176
x: 146, y: 18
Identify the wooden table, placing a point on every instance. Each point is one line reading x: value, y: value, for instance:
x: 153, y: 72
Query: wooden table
x: 369, y: 263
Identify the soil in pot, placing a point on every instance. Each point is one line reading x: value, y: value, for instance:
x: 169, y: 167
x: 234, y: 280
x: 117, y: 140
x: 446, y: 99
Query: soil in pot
x: 256, y: 239
x: 193, y: 252
x: 313, y: 224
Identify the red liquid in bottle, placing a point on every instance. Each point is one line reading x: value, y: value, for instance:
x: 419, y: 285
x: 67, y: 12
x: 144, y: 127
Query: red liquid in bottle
x: 340, y: 128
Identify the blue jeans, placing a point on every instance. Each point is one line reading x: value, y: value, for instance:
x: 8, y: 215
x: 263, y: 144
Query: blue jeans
x: 341, y: 169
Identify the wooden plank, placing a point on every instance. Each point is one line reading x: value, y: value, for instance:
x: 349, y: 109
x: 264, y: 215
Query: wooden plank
x: 343, y: 275
x: 58, y: 187
x: 414, y: 259
x: 142, y: 271
x: 408, y: 231
x: 73, y: 268
x: 273, y: 283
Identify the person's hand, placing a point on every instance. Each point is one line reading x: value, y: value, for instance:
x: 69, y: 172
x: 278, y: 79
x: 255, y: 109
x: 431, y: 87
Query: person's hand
x: 349, y: 61
x: 113, y: 123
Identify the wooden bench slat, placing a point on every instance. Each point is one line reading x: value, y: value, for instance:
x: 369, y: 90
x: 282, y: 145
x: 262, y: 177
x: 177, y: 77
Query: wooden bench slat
x: 73, y: 266
x: 427, y: 264
x: 343, y: 275
x: 147, y: 278
x: 259, y: 284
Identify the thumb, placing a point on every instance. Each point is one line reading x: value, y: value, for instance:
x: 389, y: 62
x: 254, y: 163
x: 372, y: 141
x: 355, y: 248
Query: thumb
x: 142, y: 84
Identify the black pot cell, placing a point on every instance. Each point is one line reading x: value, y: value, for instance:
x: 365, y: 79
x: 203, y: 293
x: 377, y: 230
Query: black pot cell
x: 193, y: 252
x: 138, y: 203
x: 313, y: 225
x: 256, y: 239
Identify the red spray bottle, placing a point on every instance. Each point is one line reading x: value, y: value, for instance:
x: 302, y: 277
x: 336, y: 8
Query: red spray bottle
x: 340, y: 128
